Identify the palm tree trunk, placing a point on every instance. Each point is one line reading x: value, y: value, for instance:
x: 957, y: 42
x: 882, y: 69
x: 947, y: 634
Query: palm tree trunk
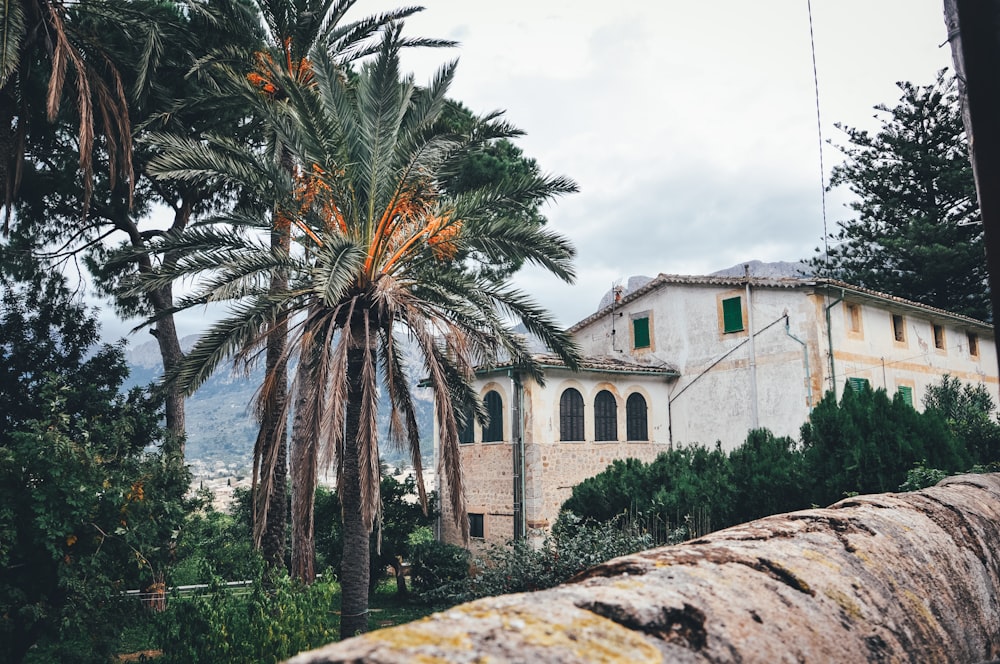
x: 271, y: 452
x: 355, y: 568
x: 305, y: 475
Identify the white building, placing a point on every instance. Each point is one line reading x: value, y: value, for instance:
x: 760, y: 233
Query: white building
x: 689, y: 359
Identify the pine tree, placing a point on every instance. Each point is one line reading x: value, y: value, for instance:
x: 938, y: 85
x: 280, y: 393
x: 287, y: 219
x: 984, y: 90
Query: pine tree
x: 917, y: 233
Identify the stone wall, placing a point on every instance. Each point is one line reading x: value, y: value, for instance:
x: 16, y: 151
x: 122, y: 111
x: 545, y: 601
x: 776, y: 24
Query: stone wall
x: 553, y: 469
x: 892, y: 577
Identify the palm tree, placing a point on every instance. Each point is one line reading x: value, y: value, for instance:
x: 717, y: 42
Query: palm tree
x: 373, y: 257
x: 44, y: 39
x: 292, y: 28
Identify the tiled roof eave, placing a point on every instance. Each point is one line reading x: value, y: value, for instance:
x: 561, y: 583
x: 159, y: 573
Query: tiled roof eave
x: 663, y: 280
x: 592, y: 365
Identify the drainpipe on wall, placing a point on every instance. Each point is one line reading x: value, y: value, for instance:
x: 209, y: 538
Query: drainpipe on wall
x: 754, y: 417
x: 517, y: 445
x: 829, y: 339
x: 805, y: 359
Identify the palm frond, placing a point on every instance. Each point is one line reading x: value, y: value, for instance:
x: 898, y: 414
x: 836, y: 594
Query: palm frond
x: 217, y: 159
x: 335, y: 268
x: 503, y: 239
x: 12, y: 31
x: 240, y: 328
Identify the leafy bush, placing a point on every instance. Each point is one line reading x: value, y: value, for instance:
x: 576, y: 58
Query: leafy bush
x: 970, y: 414
x: 88, y: 498
x: 213, y: 544
x: 573, y: 547
x: 688, y: 485
x: 769, y: 476
x: 867, y: 444
x: 436, y: 565
x: 270, y: 621
x: 401, y: 516
x: 921, y: 477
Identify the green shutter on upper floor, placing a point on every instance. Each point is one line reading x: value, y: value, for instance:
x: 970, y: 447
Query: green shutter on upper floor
x: 857, y: 384
x: 640, y: 332
x: 732, y: 314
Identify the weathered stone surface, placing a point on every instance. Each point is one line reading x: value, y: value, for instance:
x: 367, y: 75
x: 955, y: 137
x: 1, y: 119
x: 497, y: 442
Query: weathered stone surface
x: 885, y: 578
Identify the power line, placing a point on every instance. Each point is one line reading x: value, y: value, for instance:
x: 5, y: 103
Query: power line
x: 819, y: 132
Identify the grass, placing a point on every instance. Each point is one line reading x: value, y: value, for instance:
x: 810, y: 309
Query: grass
x: 388, y: 609
x: 138, y: 639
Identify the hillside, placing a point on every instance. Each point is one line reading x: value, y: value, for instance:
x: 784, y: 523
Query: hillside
x: 220, y: 425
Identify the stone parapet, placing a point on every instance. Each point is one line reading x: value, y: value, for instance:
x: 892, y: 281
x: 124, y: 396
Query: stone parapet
x: 892, y: 577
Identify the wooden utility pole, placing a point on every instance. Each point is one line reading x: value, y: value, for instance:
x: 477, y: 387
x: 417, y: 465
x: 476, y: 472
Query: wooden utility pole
x: 974, y: 34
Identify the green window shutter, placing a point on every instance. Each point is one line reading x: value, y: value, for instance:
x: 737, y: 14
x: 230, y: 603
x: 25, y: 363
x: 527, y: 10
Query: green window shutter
x: 858, y: 384
x: 906, y: 394
x: 640, y: 332
x: 732, y: 315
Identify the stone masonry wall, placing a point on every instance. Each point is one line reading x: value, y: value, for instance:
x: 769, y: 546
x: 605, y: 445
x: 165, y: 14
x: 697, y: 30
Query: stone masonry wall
x: 553, y: 469
x: 885, y: 578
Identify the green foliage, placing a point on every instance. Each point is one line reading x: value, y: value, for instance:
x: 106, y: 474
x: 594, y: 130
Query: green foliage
x: 866, y: 443
x: 917, y: 232
x: 970, y: 415
x: 270, y: 621
x: 921, y: 477
x: 435, y: 565
x: 88, y: 507
x: 402, y: 515
x: 573, y: 546
x: 769, y: 476
x: 690, y: 485
x: 213, y: 544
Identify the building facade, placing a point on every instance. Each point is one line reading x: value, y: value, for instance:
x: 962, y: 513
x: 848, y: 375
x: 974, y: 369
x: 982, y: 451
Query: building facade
x: 689, y: 359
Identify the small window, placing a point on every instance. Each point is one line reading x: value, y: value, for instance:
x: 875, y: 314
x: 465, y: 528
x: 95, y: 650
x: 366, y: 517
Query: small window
x: 854, y: 317
x: 973, y: 344
x: 906, y: 394
x: 640, y: 332
x: 467, y: 434
x: 858, y: 384
x: 938, y: 336
x: 732, y: 315
x: 476, y: 525
x: 898, y: 328
x: 605, y: 416
x: 635, y: 417
x: 494, y: 409
x: 571, y: 415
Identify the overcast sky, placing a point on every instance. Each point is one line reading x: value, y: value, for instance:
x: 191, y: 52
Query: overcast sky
x: 690, y: 127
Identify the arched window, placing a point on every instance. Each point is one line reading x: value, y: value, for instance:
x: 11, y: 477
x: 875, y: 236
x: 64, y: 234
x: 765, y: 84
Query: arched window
x: 494, y: 408
x: 467, y: 434
x: 605, y: 416
x: 571, y: 415
x: 635, y: 417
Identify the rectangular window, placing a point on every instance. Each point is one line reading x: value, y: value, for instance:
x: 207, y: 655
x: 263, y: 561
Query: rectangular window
x: 973, y: 344
x: 640, y: 332
x: 906, y: 394
x: 476, y: 527
x: 938, y: 336
x: 467, y: 434
x: 898, y: 328
x: 854, y: 317
x: 858, y: 384
x: 732, y: 315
